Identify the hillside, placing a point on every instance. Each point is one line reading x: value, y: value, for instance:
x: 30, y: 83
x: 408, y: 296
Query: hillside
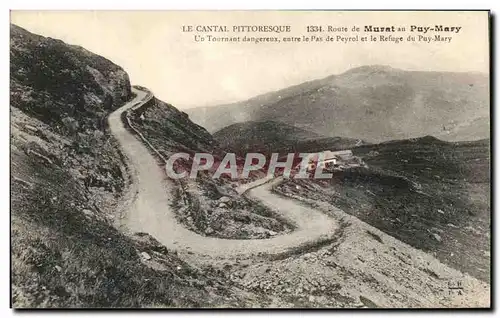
x: 268, y: 136
x: 373, y: 103
x: 276, y: 137
x: 63, y: 85
x: 210, y: 207
x: 67, y: 183
x: 431, y: 194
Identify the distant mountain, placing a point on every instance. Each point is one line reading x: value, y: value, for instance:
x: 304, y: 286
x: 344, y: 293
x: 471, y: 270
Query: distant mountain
x: 373, y: 103
x: 274, y: 136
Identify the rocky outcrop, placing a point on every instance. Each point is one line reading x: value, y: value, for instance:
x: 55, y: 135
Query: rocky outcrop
x: 59, y: 83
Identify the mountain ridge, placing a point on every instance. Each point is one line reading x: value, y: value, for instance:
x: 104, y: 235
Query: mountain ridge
x: 277, y: 137
x: 373, y: 103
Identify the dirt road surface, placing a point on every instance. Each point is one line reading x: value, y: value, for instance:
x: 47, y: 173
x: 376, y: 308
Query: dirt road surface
x: 151, y: 211
x: 332, y: 259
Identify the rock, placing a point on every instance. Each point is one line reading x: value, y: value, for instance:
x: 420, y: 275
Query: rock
x: 209, y: 230
x: 452, y: 225
x: 272, y: 233
x: 259, y: 230
x: 29, y: 127
x: 88, y: 212
x: 473, y: 230
x: 311, y: 298
x: 437, y: 237
x: 146, y: 256
x: 225, y: 199
x: 98, y: 134
x: 367, y: 302
x: 435, y: 229
x: 222, y: 205
x: 58, y: 268
x: 440, y: 211
x: 71, y: 124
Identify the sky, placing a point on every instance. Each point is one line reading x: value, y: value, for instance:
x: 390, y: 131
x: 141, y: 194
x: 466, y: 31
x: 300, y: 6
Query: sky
x: 156, y: 53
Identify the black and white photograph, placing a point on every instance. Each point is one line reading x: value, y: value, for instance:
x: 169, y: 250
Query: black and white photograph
x: 250, y: 159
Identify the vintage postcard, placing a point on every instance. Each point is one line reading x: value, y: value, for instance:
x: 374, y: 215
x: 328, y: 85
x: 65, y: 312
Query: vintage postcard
x: 250, y: 159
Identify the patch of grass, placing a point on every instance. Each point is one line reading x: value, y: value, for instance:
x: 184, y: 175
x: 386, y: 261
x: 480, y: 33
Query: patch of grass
x: 311, y: 246
x: 375, y: 237
x: 412, y: 187
x: 64, y: 258
x: 431, y: 273
x: 367, y: 302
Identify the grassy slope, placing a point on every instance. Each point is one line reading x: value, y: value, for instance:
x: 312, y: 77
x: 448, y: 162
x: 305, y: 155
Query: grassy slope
x: 264, y: 136
x: 415, y: 190
x: 62, y: 257
x: 374, y: 103
x: 267, y: 137
x: 66, y: 180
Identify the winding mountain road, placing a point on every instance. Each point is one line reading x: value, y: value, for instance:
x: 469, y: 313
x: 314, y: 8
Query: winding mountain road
x: 390, y: 272
x: 151, y: 211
